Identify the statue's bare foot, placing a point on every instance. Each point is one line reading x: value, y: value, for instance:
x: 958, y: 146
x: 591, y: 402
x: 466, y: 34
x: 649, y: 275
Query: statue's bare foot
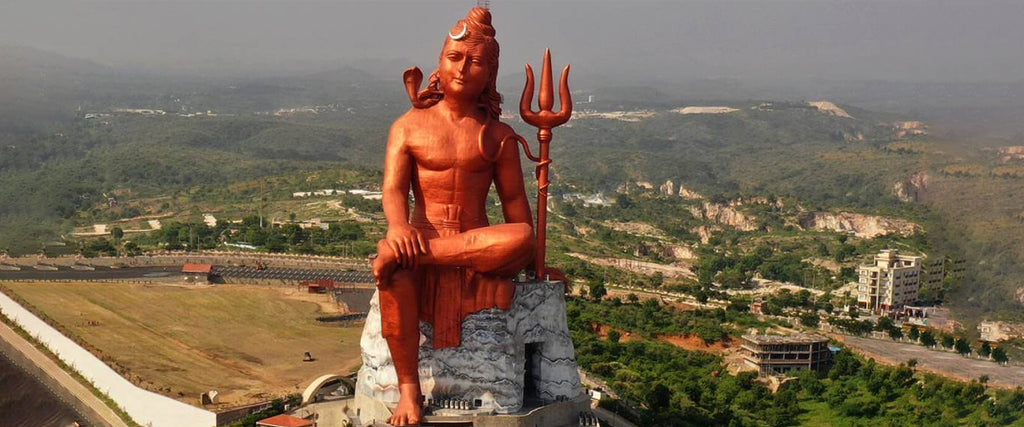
x: 408, y: 412
x: 385, y: 263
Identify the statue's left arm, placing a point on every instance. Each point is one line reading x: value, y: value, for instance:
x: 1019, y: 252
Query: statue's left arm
x: 508, y: 180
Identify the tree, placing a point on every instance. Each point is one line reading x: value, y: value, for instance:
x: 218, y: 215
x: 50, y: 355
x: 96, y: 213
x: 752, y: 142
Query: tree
x: 896, y: 333
x: 810, y: 320
x: 732, y: 278
x: 632, y: 298
x: 985, y: 350
x: 131, y: 249
x: 845, y: 250
x: 999, y: 355
x: 823, y: 249
x: 614, y: 335
x: 948, y: 341
x: 928, y: 339
x: 963, y: 347
x: 657, y: 280
x: 569, y: 210
x: 915, y: 334
x: 117, y: 233
x: 659, y: 396
x: 623, y: 201
x: 598, y: 291
x: 884, y: 324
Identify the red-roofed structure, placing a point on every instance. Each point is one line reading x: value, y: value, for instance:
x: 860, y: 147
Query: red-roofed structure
x: 197, y: 272
x: 197, y: 268
x: 320, y: 286
x: 284, y: 420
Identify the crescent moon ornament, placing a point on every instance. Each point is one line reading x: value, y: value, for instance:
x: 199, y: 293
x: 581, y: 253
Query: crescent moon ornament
x: 461, y: 34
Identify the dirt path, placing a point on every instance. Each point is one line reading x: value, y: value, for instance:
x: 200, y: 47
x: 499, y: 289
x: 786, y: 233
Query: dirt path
x: 63, y: 379
x: 324, y: 301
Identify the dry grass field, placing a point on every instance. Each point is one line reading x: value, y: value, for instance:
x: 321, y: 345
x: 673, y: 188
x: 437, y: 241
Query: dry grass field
x: 245, y: 342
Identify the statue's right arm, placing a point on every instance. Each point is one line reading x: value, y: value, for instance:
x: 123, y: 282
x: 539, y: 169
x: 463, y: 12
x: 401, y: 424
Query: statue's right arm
x: 402, y: 238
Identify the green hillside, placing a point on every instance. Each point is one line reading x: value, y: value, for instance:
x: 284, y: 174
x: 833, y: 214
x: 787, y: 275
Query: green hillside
x: 59, y: 169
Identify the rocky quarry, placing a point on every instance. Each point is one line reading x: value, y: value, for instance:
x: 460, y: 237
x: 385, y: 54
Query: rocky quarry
x: 860, y: 225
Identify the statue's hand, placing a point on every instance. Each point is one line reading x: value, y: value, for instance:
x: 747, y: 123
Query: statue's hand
x: 407, y: 243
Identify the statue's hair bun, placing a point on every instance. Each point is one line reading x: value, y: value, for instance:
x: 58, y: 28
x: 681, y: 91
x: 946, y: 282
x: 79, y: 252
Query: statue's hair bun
x: 479, y: 19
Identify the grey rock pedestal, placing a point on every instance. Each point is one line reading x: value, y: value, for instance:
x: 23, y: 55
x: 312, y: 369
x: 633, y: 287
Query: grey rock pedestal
x: 502, y: 354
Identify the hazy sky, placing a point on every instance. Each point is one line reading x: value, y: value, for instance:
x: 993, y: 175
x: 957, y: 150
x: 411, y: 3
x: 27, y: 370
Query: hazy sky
x: 750, y: 40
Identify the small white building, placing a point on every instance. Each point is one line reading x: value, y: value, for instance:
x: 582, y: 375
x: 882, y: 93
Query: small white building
x: 367, y: 194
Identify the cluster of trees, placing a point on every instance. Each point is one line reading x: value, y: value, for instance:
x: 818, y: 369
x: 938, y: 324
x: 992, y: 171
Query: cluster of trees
x: 736, y: 270
x: 650, y: 318
x: 866, y: 391
x: 57, y: 178
x: 341, y: 238
x: 852, y: 326
x: 663, y: 385
x: 959, y: 344
x: 925, y: 337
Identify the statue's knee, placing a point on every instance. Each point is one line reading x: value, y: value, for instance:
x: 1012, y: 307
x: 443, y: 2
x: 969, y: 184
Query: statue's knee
x: 524, y: 237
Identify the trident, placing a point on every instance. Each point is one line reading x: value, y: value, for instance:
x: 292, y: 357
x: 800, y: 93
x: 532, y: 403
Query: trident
x: 544, y: 120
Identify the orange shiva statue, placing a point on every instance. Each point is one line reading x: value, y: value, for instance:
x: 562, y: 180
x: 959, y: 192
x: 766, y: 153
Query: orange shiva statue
x: 444, y: 260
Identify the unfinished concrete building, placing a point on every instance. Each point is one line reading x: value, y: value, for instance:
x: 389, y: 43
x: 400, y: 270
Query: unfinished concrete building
x: 780, y: 354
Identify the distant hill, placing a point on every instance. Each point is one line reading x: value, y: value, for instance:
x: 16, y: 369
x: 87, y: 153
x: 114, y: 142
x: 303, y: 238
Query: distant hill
x: 41, y: 89
x: 56, y: 165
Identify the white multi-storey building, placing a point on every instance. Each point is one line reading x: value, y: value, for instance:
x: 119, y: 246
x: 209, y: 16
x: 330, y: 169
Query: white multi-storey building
x: 892, y: 282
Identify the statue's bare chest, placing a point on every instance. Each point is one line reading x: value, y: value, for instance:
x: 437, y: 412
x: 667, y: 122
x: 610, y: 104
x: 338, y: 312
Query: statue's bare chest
x: 448, y: 148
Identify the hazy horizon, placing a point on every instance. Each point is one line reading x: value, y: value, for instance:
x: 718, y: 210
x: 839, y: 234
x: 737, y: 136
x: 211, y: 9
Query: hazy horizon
x: 757, y: 42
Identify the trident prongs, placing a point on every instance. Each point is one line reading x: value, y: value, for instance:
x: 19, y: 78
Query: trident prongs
x: 544, y: 120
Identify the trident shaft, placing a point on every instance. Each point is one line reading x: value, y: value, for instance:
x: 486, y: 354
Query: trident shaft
x: 544, y: 120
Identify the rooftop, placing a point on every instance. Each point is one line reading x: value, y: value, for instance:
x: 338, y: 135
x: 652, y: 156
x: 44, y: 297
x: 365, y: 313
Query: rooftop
x: 197, y: 268
x: 786, y: 339
x: 284, y: 421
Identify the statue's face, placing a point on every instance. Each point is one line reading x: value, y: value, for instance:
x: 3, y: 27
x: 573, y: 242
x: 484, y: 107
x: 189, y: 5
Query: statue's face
x: 463, y: 70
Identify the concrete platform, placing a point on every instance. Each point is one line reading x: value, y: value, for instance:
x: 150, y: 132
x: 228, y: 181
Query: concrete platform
x: 510, y: 363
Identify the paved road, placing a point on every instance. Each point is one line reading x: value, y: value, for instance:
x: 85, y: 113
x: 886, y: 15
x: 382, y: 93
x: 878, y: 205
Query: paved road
x: 939, y: 362
x: 149, y: 273
x: 64, y: 379
x: 101, y: 273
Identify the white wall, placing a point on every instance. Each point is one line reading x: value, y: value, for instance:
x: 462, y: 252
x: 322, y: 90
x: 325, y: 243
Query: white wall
x: 145, y: 407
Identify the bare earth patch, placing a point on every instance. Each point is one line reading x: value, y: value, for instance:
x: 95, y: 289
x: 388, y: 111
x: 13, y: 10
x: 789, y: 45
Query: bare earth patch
x: 694, y: 343
x: 324, y: 301
x: 246, y: 342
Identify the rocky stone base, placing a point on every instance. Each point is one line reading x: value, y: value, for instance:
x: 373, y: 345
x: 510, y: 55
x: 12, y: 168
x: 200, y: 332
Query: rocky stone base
x: 506, y: 357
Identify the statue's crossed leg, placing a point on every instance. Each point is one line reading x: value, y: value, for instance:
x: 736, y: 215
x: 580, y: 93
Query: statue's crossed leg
x: 500, y: 250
